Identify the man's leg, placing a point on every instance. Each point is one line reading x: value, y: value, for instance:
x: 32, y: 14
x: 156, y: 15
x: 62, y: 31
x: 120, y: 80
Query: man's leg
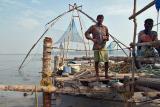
x: 106, y: 70
x: 97, y: 68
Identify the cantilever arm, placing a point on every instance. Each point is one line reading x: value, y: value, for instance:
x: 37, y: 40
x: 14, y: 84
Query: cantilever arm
x: 42, y: 36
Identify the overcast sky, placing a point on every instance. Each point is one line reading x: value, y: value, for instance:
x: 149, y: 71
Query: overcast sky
x: 23, y: 21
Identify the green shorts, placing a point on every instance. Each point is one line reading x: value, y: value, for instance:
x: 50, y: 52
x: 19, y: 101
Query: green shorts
x: 101, y: 55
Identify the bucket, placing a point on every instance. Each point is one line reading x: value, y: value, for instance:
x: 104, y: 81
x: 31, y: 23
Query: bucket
x: 75, y: 68
x: 66, y: 69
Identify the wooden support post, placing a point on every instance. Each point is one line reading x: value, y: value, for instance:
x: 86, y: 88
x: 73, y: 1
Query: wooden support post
x: 56, y: 63
x: 47, y: 71
x: 134, y: 39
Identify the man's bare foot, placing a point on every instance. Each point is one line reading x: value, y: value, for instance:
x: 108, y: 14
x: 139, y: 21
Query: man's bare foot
x: 107, y: 77
x: 97, y: 78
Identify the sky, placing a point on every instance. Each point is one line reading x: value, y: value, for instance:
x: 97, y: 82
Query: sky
x: 23, y: 21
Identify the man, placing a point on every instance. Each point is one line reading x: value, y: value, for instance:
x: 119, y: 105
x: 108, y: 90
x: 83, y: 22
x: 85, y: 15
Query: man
x: 99, y: 37
x: 147, y: 35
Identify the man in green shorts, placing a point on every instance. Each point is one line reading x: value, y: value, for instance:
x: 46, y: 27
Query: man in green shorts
x: 99, y: 37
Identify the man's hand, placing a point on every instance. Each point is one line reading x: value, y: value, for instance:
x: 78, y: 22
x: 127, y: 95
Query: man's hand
x: 132, y: 45
x: 94, y: 40
x: 105, y: 38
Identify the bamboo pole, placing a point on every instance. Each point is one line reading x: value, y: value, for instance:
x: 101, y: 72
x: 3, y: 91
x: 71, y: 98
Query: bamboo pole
x: 142, y: 10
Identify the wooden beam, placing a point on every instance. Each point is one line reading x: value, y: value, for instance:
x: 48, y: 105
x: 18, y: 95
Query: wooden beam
x: 145, y: 89
x: 142, y: 10
x: 148, y: 60
x: 65, y: 90
x: 26, y: 88
x: 153, y: 43
x: 152, y: 83
x: 120, y: 58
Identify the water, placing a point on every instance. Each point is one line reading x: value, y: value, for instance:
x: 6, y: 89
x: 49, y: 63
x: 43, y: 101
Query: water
x: 9, y: 75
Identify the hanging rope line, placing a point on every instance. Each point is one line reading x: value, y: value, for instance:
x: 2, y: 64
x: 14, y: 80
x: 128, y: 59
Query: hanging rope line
x: 82, y: 31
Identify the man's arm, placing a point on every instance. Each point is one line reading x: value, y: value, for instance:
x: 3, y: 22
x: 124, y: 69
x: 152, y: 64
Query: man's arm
x: 155, y: 36
x: 88, y: 32
x: 106, y: 37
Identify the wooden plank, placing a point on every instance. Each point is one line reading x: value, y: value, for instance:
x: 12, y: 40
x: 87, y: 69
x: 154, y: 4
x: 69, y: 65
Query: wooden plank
x: 93, y: 79
x: 145, y: 89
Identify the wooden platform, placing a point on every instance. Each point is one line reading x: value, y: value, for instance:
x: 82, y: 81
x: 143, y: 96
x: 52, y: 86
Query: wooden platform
x: 94, y: 79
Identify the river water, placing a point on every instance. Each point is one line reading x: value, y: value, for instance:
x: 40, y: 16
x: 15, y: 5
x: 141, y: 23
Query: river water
x: 9, y: 75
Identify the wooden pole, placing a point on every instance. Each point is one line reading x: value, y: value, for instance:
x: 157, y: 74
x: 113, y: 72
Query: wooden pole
x: 56, y: 63
x: 134, y: 40
x: 47, y: 71
x: 142, y: 10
